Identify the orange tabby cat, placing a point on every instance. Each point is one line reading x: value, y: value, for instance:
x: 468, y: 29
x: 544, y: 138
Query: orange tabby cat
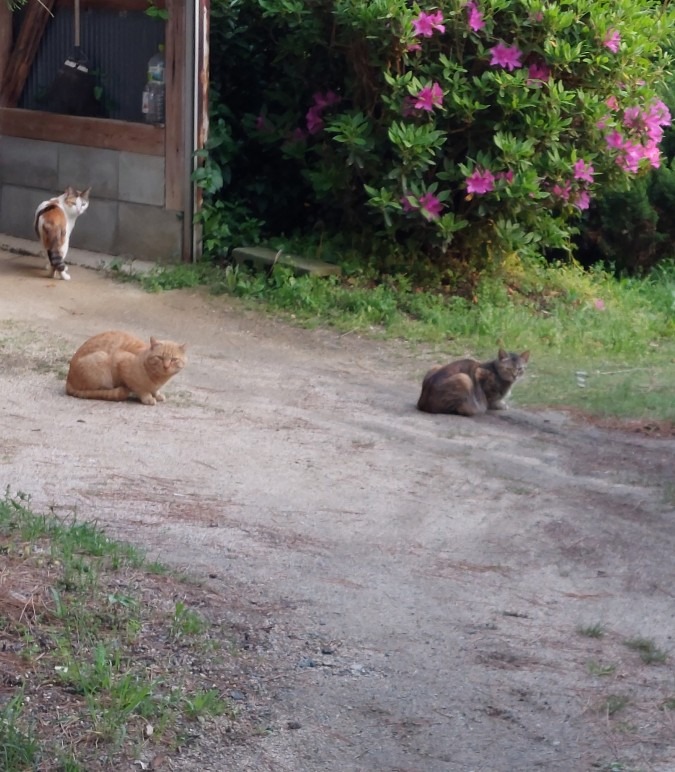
x: 113, y: 365
x: 54, y: 222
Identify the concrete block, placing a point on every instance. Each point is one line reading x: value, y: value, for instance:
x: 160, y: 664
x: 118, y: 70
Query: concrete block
x: 149, y: 233
x: 141, y: 179
x: 260, y: 257
x: 17, y: 210
x: 84, y: 167
x: 29, y: 162
x: 97, y: 228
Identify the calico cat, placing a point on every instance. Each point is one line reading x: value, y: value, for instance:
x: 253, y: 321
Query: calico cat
x: 467, y: 387
x: 113, y: 365
x: 54, y: 221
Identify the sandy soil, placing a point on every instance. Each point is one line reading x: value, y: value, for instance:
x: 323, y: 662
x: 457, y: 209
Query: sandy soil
x: 416, y: 582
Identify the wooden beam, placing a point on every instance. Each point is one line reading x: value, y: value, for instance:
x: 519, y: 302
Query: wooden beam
x: 175, y: 52
x: 112, y: 5
x: 88, y: 132
x: 5, y: 38
x: 27, y: 44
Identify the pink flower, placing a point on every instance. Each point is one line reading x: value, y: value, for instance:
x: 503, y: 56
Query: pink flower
x: 426, y: 23
x: 612, y: 102
x: 505, y: 56
x: 633, y: 152
x: 413, y: 47
x: 615, y: 139
x: 599, y: 304
x: 314, y: 120
x: 537, y: 72
x: 429, y: 97
x: 407, y: 206
x: 583, y: 171
x: 582, y: 200
x: 430, y: 206
x: 507, y: 176
x: 612, y: 40
x: 481, y: 181
x: 562, y: 192
x: 298, y: 135
x: 321, y: 102
x: 261, y: 123
x: 328, y: 99
x: 652, y: 154
x: 476, y: 20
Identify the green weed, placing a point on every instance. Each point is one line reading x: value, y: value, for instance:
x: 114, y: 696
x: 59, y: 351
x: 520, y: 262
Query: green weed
x: 104, y: 653
x: 598, y: 669
x: 619, y: 332
x: 649, y: 653
x: 186, y: 621
x: 614, y: 703
x: 18, y: 749
x: 206, y: 703
x: 591, y: 631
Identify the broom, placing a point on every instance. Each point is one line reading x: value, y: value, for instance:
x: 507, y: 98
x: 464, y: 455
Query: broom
x: 73, y: 90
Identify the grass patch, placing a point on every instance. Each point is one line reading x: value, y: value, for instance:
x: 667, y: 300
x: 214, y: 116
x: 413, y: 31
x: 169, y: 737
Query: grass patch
x: 598, y: 669
x: 620, y: 334
x: 614, y: 703
x: 89, y: 627
x: 649, y: 653
x: 591, y: 631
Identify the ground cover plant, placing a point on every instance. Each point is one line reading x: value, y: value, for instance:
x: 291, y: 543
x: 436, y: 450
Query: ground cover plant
x: 599, y: 344
x: 108, y: 660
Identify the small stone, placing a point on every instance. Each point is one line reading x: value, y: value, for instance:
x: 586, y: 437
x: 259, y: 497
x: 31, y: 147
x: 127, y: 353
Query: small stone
x: 294, y: 725
x: 307, y: 662
x: 235, y: 694
x: 327, y: 650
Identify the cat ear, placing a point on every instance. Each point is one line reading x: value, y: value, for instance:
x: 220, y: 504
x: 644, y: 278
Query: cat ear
x: 153, y: 342
x: 69, y: 191
x: 183, y: 347
x: 525, y: 356
x: 502, y: 354
x: 85, y: 193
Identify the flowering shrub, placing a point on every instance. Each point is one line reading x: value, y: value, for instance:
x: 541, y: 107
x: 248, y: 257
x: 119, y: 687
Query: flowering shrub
x: 458, y: 129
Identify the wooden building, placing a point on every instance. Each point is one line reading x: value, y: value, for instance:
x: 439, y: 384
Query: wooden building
x: 143, y: 199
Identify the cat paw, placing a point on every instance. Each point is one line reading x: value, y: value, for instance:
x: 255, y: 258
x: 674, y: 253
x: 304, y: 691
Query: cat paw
x: 499, y: 406
x: 148, y: 399
x: 159, y: 396
x: 65, y: 275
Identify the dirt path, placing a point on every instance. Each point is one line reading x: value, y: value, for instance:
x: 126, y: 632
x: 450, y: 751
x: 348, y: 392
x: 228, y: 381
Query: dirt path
x: 418, y: 581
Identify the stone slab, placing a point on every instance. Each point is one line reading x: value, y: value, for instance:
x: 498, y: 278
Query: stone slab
x: 261, y: 257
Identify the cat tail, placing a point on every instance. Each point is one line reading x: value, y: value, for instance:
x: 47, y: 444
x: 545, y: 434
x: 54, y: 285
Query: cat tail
x: 56, y: 260
x: 119, y: 394
x: 423, y: 403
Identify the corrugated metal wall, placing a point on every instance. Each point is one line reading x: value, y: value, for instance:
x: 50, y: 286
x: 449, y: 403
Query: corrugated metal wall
x: 117, y: 44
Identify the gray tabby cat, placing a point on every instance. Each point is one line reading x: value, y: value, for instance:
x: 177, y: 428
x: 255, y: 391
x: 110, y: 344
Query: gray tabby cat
x: 467, y: 387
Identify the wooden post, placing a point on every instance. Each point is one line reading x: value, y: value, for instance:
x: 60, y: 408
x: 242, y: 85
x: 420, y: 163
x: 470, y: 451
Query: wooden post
x: 5, y: 38
x: 27, y: 44
x: 175, y: 51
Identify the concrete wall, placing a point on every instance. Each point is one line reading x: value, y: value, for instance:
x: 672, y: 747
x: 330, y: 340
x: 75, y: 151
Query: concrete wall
x: 126, y: 214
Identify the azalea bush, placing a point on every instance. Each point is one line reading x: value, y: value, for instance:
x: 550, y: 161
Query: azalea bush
x: 452, y: 132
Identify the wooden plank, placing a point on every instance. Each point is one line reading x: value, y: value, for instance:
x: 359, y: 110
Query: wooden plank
x: 175, y: 53
x: 111, y: 5
x: 27, y: 44
x: 5, y: 38
x: 88, y: 132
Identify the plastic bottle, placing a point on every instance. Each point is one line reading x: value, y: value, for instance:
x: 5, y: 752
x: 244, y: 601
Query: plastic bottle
x: 154, y: 92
